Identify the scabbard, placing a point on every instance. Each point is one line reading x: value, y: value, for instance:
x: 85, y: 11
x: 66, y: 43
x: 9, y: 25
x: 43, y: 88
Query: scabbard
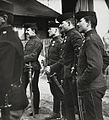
x: 57, y: 82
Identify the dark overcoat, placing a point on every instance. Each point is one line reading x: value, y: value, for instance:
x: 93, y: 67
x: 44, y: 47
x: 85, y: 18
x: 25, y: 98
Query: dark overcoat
x: 90, y: 62
x: 11, y: 60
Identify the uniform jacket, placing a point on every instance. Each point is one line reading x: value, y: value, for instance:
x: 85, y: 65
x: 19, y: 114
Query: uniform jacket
x: 90, y: 62
x: 32, y: 51
x: 11, y: 60
x: 72, y: 43
x: 54, y: 50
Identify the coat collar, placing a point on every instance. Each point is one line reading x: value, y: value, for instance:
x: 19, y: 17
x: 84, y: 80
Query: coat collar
x: 93, y: 31
x: 69, y: 32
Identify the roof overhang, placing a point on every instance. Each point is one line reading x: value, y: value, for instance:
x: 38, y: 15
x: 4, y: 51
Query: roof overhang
x: 28, y: 8
x: 107, y: 2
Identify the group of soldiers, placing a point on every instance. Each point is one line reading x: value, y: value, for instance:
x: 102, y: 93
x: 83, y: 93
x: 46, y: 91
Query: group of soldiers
x: 75, y: 66
x: 78, y: 61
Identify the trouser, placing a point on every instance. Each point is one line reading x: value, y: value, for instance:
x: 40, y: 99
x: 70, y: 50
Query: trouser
x: 56, y: 105
x: 57, y: 95
x: 69, y: 101
x: 92, y: 104
x: 35, y: 88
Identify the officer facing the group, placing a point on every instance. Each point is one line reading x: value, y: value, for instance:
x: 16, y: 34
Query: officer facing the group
x: 72, y: 43
x: 91, y: 82
x: 11, y: 63
x: 54, y: 54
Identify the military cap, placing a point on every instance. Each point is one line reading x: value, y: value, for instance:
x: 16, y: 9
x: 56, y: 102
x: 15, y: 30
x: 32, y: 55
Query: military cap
x: 65, y: 16
x: 6, y: 11
x: 92, y: 14
x: 53, y: 24
x: 82, y: 14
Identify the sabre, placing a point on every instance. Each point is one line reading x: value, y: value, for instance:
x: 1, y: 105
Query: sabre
x: 31, y: 75
x: 57, y: 82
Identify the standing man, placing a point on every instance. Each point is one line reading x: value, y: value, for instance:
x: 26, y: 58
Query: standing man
x: 31, y: 54
x: 72, y: 43
x: 54, y: 54
x: 106, y: 41
x: 11, y: 63
x: 91, y: 82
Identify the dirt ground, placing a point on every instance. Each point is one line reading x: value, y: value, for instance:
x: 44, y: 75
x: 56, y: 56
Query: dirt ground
x: 46, y: 102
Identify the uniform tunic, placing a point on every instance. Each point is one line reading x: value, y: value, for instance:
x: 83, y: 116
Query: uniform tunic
x: 54, y: 55
x: 72, y: 43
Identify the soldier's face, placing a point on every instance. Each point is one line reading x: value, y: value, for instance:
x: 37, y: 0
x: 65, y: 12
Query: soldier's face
x: 30, y: 32
x: 82, y: 25
x: 64, y: 26
x: 52, y: 31
x: 2, y: 21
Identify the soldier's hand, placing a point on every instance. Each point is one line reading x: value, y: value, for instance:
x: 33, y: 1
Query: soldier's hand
x: 42, y: 71
x: 47, y: 69
x: 28, y: 66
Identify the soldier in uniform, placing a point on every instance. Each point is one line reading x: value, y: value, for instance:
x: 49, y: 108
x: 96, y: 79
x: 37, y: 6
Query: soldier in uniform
x: 54, y: 54
x: 32, y: 51
x: 72, y: 43
x: 11, y: 60
x: 91, y: 82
